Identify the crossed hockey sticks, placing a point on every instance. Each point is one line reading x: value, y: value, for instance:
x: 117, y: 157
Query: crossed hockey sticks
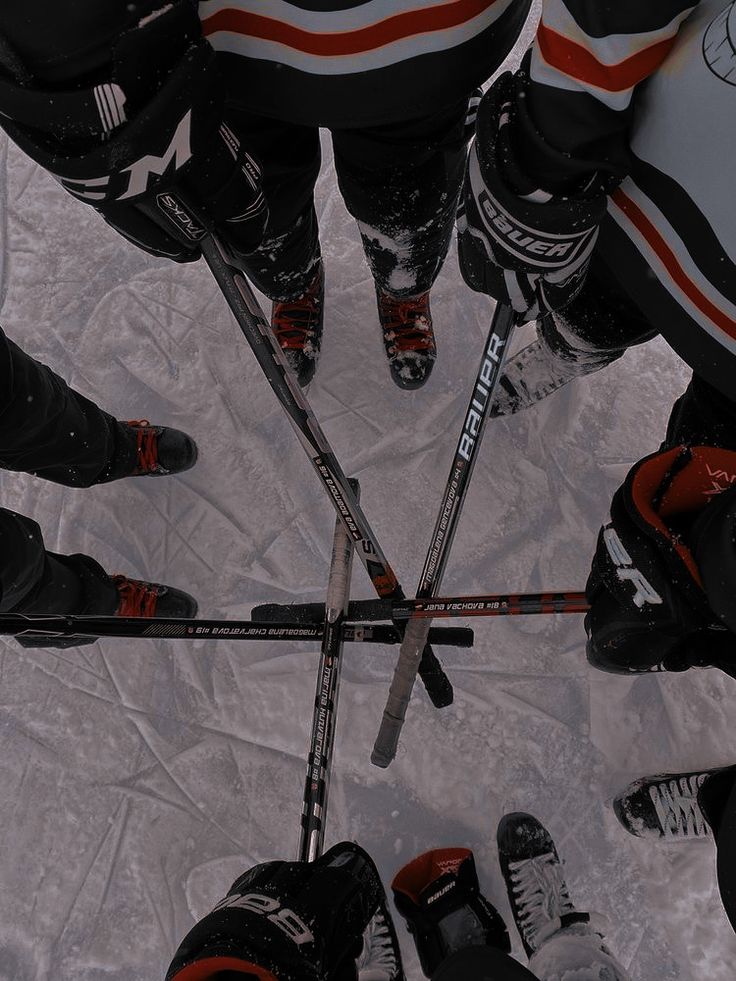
x: 257, y: 331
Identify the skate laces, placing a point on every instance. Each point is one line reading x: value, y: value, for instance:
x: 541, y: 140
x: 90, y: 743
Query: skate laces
x: 540, y: 894
x: 137, y: 599
x: 146, y: 446
x: 676, y: 804
x: 377, y: 961
x: 406, y: 323
x: 295, y: 322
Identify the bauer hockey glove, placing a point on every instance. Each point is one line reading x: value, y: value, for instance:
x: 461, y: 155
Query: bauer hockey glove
x: 517, y: 242
x: 663, y: 583
x: 284, y: 921
x: 148, y: 128
x: 439, y: 897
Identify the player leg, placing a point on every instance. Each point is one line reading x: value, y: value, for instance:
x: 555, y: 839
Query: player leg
x: 401, y: 182
x: 287, y: 266
x: 50, y: 430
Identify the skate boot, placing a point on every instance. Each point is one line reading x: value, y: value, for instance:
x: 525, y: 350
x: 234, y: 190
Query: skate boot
x: 556, y: 357
x: 665, y: 807
x: 380, y: 959
x: 143, y: 450
x: 297, y: 326
x: 537, y: 891
x: 408, y: 337
x: 137, y: 598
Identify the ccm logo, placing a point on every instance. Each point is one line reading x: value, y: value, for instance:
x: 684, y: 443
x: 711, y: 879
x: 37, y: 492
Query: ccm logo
x: 644, y: 592
x: 285, y: 919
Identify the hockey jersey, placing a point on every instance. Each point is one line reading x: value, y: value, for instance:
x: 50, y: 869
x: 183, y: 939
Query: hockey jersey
x: 357, y: 63
x: 648, y: 92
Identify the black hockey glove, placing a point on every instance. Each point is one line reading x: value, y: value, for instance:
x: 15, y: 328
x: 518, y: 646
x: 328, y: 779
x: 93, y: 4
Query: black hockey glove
x: 517, y: 242
x: 287, y: 921
x: 439, y: 897
x: 150, y: 127
x: 663, y: 584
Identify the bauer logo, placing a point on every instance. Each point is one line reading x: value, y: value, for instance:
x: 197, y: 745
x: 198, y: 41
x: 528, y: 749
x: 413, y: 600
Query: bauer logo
x: 626, y: 571
x: 476, y: 412
x: 285, y: 919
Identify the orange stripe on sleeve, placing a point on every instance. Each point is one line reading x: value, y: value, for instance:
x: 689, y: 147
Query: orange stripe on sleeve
x: 577, y: 62
x: 342, y: 43
x: 671, y: 263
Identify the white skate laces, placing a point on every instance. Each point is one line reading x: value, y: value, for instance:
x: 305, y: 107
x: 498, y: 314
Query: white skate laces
x: 540, y: 896
x: 676, y: 805
x: 378, y: 961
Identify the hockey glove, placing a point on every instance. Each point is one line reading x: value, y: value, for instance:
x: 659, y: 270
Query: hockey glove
x: 439, y: 897
x: 663, y: 583
x: 284, y: 921
x: 150, y: 127
x: 517, y: 242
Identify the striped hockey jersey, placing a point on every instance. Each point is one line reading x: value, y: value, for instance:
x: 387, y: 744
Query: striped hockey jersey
x: 356, y: 63
x: 647, y: 91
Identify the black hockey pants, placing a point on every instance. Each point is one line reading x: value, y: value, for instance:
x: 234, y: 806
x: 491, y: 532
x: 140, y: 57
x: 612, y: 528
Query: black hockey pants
x: 48, y: 429
x: 401, y: 182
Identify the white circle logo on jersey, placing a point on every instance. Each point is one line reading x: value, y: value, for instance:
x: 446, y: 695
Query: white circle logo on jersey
x: 719, y: 45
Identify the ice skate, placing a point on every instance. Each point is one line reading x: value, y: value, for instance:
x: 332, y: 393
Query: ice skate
x: 537, y: 891
x: 297, y: 325
x: 555, y: 358
x: 665, y: 807
x: 380, y: 959
x: 408, y: 338
x: 159, y: 451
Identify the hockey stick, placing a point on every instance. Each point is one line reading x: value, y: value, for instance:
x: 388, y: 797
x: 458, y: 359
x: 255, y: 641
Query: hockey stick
x: 485, y: 605
x: 257, y: 331
x: 48, y: 627
x: 417, y: 630
x: 319, y: 761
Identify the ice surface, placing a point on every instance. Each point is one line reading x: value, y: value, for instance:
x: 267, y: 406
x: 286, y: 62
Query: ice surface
x: 138, y: 779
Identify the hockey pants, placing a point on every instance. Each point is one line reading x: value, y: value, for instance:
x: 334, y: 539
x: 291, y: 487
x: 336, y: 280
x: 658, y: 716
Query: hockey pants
x: 48, y: 429
x: 400, y: 182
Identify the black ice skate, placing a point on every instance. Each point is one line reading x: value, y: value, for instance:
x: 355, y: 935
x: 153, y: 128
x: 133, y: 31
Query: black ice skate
x: 137, y: 598
x: 665, y: 807
x: 408, y: 337
x: 536, y: 888
x: 556, y: 357
x: 297, y: 325
x: 143, y: 450
x: 380, y: 959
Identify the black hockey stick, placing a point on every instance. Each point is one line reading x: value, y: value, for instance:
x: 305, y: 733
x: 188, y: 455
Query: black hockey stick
x: 485, y: 605
x: 417, y: 630
x: 257, y: 331
x: 49, y: 627
x: 324, y: 717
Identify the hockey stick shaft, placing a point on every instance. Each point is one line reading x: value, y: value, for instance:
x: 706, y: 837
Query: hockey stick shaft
x: 485, y: 605
x: 257, y: 331
x: 154, y: 628
x: 324, y: 717
x: 466, y: 453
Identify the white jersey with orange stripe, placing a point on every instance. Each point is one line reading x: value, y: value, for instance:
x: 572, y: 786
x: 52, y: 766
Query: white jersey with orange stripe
x: 357, y: 63
x: 670, y: 234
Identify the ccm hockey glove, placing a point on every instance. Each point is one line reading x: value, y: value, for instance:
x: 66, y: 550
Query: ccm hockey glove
x: 287, y: 921
x: 663, y: 583
x: 439, y: 897
x: 518, y: 242
x: 148, y: 128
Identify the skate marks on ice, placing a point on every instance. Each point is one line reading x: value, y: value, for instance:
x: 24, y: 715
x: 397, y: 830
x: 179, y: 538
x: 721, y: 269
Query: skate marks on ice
x: 139, y: 776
